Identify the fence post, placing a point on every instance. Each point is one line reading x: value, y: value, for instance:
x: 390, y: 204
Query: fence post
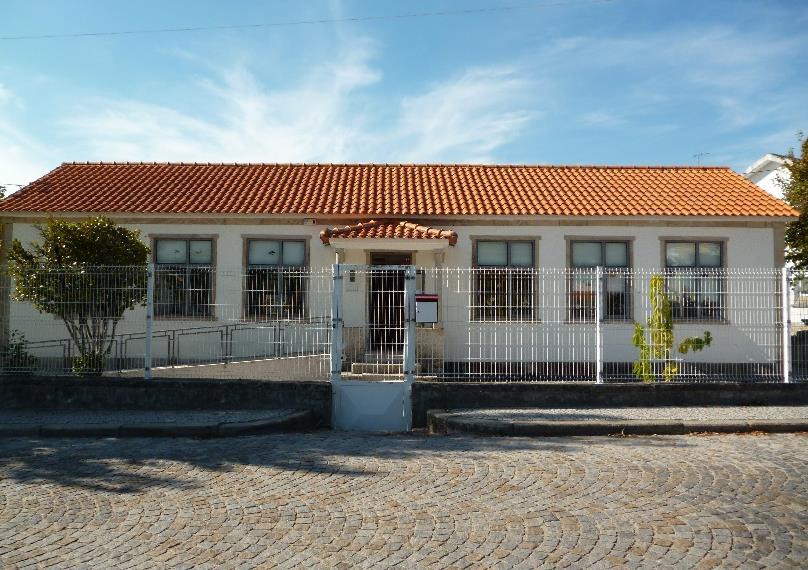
x: 598, y: 324
x: 786, y: 295
x: 336, y: 325
x: 147, y: 352
x: 409, y: 339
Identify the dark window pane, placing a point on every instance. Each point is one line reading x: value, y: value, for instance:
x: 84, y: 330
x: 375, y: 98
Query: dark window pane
x: 170, y: 292
x: 294, y: 295
x: 200, y: 302
x: 183, y: 291
x: 275, y: 293
x: 582, y: 297
x: 521, y: 295
x: 492, y: 295
x: 616, y: 298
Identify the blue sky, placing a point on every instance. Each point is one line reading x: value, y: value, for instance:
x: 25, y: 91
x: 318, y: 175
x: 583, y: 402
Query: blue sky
x: 620, y: 82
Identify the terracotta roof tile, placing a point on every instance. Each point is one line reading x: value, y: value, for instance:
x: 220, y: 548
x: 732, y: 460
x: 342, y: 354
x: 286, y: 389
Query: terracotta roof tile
x: 395, y: 190
x: 387, y: 229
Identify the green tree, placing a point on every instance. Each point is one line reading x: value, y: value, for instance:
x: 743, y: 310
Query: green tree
x: 795, y: 191
x: 87, y: 273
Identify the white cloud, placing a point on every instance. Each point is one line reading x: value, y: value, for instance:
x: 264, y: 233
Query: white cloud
x: 22, y: 158
x: 601, y: 119
x: 732, y: 78
x: 325, y: 116
x: 5, y: 95
x: 311, y: 120
x: 465, y: 118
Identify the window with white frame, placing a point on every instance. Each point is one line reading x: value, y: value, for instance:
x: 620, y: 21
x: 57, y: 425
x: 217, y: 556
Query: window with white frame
x: 695, y: 280
x: 183, y: 278
x: 613, y: 257
x: 275, y: 286
x: 503, y: 283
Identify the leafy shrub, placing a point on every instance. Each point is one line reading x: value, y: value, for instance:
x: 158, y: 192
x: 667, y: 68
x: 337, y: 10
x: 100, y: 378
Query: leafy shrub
x: 14, y: 356
x: 657, y: 345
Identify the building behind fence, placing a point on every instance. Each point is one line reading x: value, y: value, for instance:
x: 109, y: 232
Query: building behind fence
x: 501, y: 324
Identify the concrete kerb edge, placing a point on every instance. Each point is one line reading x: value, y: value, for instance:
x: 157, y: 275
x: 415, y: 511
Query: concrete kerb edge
x: 441, y: 422
x: 297, y: 421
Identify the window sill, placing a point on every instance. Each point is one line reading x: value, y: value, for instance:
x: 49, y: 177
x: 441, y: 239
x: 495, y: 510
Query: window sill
x: 701, y: 322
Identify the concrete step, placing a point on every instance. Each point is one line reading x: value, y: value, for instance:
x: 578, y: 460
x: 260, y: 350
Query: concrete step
x: 371, y: 377
x: 382, y: 357
x: 376, y: 368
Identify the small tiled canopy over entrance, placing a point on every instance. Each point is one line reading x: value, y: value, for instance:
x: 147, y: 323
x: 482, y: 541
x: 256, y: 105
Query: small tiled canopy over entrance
x: 356, y: 234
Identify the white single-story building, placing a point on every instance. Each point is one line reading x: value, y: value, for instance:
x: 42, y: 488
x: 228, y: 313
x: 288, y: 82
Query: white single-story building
x: 510, y: 250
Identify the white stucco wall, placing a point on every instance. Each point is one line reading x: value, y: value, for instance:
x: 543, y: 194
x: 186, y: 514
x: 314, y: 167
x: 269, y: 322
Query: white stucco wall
x: 551, y: 340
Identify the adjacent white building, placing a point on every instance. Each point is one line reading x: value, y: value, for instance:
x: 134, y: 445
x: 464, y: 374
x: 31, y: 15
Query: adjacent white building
x: 768, y: 172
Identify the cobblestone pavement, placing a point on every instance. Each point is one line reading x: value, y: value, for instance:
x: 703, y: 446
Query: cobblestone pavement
x: 337, y: 500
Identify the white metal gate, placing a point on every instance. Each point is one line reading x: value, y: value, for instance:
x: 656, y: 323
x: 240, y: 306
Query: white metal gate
x: 373, y: 347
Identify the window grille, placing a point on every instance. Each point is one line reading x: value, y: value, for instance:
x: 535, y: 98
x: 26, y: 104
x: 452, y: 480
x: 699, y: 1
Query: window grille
x: 504, y: 288
x: 695, y: 283
x: 183, y: 278
x: 275, y: 281
x: 613, y: 256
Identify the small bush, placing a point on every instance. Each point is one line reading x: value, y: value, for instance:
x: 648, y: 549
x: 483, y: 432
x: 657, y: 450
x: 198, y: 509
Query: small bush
x: 14, y: 356
x: 91, y: 364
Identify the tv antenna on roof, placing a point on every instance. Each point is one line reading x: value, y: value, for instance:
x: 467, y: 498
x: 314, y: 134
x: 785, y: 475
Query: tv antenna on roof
x: 699, y: 155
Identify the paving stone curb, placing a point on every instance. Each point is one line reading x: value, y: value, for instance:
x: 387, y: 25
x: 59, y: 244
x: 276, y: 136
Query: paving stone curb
x: 299, y: 420
x: 440, y: 422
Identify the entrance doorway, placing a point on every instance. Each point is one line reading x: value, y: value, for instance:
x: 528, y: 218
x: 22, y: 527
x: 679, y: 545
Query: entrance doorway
x: 386, y: 303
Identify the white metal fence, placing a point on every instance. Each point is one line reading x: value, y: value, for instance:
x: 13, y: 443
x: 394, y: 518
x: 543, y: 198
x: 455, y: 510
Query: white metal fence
x: 179, y: 321
x: 580, y: 324
x: 493, y: 324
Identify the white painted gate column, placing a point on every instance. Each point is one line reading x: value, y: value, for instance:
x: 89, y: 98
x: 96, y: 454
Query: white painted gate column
x: 599, y: 324
x: 409, y: 340
x: 786, y: 302
x: 147, y: 342
x: 336, y: 328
